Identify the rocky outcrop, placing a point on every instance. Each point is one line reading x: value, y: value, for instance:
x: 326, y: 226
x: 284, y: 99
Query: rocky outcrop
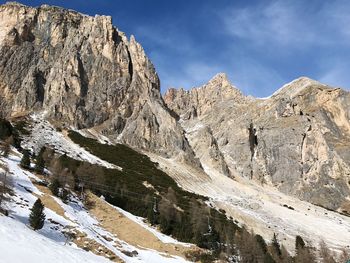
x: 84, y: 72
x: 198, y: 101
x: 297, y: 140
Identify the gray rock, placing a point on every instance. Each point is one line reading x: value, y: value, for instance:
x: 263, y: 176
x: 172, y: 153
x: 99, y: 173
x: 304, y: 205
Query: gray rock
x: 297, y: 140
x: 84, y: 72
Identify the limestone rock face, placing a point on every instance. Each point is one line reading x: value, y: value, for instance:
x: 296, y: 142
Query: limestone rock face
x: 84, y: 72
x: 198, y: 101
x: 297, y: 140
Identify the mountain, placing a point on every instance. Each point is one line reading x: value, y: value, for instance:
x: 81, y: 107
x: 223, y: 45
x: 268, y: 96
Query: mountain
x: 297, y: 140
x: 209, y: 165
x: 84, y: 72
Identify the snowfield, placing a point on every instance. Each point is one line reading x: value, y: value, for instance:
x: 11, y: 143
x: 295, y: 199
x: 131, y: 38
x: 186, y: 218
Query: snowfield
x: 21, y: 244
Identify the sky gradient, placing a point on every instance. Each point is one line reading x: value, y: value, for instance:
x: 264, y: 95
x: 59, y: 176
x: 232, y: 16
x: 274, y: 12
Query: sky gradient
x: 260, y: 45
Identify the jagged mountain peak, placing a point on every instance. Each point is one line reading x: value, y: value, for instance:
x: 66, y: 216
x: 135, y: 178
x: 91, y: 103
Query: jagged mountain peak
x: 83, y: 72
x: 219, y: 78
x: 220, y: 81
x: 198, y: 100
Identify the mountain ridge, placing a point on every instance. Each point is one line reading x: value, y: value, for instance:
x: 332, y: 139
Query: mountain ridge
x: 263, y: 139
x: 83, y: 72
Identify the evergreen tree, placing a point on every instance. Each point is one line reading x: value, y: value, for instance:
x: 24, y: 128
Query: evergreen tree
x: 299, y: 243
x: 55, y: 187
x: 64, y: 195
x: 40, y: 162
x: 267, y: 256
x: 6, y: 146
x: 25, y: 161
x: 260, y: 240
x: 37, y: 216
x: 276, y: 245
x: 6, y: 129
x: 152, y: 210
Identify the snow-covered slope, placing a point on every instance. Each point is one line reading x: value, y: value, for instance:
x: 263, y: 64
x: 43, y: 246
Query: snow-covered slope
x: 20, y: 244
x: 43, y: 133
x: 49, y: 244
x: 264, y: 209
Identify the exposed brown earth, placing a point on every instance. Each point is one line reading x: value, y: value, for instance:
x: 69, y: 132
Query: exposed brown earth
x: 131, y: 232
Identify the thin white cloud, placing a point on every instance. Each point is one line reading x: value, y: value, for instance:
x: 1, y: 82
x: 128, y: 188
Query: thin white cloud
x: 253, y: 78
x: 187, y: 76
x: 288, y: 23
x: 337, y: 13
x: 165, y: 36
x: 301, y: 33
x: 337, y: 75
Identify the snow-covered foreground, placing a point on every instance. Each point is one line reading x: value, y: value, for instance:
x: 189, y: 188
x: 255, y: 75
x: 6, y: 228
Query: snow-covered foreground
x: 263, y: 209
x: 21, y: 244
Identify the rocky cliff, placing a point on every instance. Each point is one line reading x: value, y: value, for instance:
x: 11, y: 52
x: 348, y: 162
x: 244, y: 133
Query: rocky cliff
x: 84, y: 72
x: 297, y: 140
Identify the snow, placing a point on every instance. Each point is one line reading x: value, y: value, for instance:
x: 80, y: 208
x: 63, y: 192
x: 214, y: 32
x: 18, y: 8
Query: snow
x: 261, y: 208
x: 21, y: 244
x: 294, y: 87
x: 43, y: 133
x: 18, y: 242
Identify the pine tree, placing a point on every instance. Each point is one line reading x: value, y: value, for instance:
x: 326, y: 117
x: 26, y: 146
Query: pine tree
x: 6, y: 146
x: 299, y: 243
x: 40, y: 162
x: 55, y: 187
x: 37, y: 216
x: 64, y: 195
x: 260, y: 240
x: 25, y: 161
x: 276, y: 245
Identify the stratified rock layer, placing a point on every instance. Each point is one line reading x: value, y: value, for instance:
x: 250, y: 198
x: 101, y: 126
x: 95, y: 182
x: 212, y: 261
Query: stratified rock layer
x: 297, y: 140
x: 84, y: 72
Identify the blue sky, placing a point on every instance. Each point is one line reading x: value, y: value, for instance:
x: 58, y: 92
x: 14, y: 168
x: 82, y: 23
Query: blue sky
x: 260, y: 45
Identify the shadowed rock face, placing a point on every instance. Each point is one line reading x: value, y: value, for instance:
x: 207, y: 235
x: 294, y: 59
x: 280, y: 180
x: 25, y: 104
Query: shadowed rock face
x: 297, y: 140
x: 84, y: 72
